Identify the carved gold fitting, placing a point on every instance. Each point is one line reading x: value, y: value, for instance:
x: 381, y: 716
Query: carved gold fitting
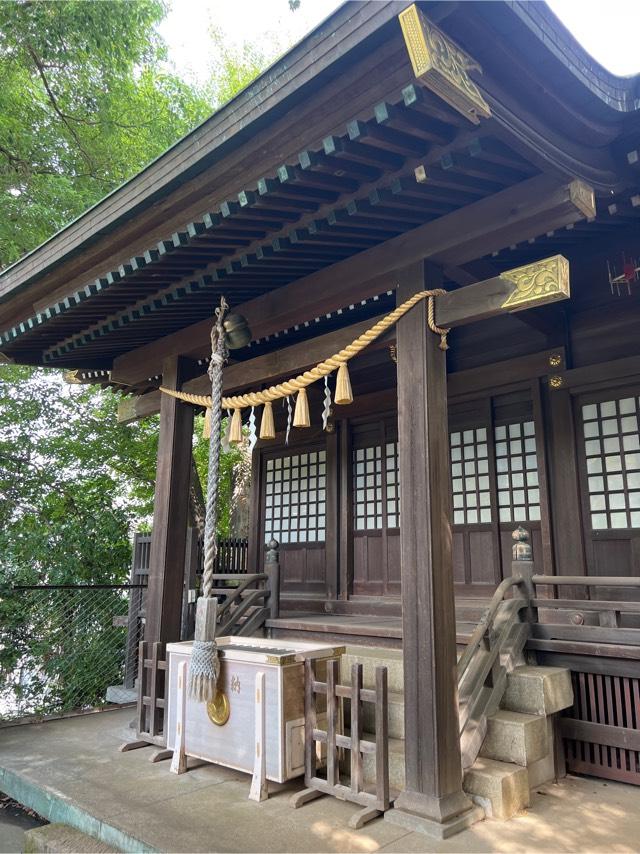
x: 441, y: 66
x: 538, y: 283
x: 556, y: 382
x: 555, y: 360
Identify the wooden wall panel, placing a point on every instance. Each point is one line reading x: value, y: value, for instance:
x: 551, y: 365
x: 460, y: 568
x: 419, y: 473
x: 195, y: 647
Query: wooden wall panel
x: 484, y: 562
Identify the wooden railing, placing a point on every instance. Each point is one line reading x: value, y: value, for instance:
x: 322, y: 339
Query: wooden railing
x: 569, y: 624
x: 247, y: 600
x: 232, y: 555
x: 495, y: 647
x: 518, y: 617
x: 598, y: 641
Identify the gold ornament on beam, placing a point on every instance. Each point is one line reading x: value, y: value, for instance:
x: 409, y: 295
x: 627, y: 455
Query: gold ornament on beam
x: 343, y: 394
x: 267, y: 425
x: 301, y: 414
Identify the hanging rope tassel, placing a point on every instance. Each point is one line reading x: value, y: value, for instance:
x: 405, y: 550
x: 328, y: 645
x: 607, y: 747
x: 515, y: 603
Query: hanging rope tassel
x: 431, y: 323
x: 343, y: 394
x: 301, y: 415
x: 267, y: 425
x: 235, y: 433
x: 204, y: 667
x: 206, y: 430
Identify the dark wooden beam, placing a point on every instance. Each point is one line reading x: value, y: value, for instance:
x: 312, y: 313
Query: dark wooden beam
x: 170, y: 514
x: 433, y: 799
x: 510, y: 216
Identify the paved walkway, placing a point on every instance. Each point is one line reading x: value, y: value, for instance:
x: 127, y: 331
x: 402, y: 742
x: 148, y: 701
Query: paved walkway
x: 71, y: 770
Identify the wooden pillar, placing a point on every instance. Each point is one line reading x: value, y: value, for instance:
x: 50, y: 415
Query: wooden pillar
x: 170, y: 513
x: 565, y: 503
x: 332, y: 536
x: 433, y: 800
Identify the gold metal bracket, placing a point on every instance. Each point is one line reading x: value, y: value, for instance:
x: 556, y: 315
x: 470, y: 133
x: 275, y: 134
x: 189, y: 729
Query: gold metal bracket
x: 440, y: 65
x: 538, y: 283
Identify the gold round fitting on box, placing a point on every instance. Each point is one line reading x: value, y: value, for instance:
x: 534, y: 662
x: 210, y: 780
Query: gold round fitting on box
x: 555, y: 360
x: 219, y: 709
x: 556, y: 382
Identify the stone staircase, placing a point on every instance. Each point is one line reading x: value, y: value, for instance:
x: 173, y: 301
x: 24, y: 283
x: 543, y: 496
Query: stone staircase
x: 517, y: 753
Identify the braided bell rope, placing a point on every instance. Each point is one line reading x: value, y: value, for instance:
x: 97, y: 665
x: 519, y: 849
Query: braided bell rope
x: 324, y: 368
x: 219, y: 356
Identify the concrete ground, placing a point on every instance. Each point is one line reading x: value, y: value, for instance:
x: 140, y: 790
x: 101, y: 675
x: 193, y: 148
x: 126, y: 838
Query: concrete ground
x: 13, y: 824
x: 71, y: 771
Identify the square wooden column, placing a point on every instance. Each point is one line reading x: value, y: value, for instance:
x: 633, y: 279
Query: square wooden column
x: 170, y: 512
x: 433, y: 800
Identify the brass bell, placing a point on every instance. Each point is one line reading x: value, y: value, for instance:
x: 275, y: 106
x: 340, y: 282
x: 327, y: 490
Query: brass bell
x: 237, y: 332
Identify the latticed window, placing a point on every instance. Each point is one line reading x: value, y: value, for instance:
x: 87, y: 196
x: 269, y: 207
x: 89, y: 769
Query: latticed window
x: 612, y: 450
x: 515, y: 469
x: 376, y: 499
x: 470, y: 476
x: 517, y: 472
x: 295, y: 498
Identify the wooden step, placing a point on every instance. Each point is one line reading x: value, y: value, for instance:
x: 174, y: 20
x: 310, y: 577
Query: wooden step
x: 351, y: 629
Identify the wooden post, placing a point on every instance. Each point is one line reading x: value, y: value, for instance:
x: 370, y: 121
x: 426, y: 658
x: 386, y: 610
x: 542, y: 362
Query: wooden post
x: 523, y: 567
x: 565, y: 504
x: 433, y: 801
x: 272, y: 569
x: 179, y: 761
x: 168, y: 543
x: 259, y: 790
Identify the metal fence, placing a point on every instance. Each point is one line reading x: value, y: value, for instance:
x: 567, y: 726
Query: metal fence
x: 67, y: 648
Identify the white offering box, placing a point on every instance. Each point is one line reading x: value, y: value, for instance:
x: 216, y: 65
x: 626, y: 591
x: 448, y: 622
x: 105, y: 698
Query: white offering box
x: 232, y: 743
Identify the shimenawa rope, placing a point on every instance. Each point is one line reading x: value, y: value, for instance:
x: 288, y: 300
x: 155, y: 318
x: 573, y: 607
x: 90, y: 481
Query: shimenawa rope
x: 324, y: 368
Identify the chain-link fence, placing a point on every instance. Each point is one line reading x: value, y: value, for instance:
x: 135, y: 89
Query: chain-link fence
x: 62, y: 647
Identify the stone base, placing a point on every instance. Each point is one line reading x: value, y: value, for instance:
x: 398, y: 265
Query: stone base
x: 434, y: 829
x: 62, y: 839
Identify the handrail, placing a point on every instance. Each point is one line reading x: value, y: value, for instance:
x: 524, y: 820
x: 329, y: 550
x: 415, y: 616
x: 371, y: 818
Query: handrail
x: 587, y: 580
x: 485, y: 623
x: 249, y: 577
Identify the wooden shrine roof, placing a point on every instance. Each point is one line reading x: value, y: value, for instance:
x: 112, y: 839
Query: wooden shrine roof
x: 315, y: 162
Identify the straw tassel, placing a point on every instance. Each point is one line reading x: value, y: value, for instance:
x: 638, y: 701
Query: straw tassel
x: 206, y: 430
x: 235, y: 433
x: 301, y: 415
x: 343, y: 393
x: 267, y: 426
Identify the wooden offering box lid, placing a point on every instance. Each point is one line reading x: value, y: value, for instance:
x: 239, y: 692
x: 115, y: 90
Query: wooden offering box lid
x: 278, y: 653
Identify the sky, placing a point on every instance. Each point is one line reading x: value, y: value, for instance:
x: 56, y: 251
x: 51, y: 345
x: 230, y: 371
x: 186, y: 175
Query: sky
x: 608, y: 29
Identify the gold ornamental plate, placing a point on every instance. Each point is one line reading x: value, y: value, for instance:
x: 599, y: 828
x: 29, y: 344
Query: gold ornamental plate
x: 219, y: 709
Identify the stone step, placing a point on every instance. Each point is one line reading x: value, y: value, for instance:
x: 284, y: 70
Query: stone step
x: 514, y: 737
x: 396, y: 715
x: 500, y: 788
x: 370, y: 658
x: 396, y: 763
x: 62, y: 839
x: 535, y: 690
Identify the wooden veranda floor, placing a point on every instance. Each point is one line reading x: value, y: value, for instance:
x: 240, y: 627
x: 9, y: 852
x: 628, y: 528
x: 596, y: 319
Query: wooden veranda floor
x: 366, y: 630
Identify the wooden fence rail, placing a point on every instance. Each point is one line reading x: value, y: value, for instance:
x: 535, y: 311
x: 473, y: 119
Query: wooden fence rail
x: 598, y: 640
x: 334, y: 741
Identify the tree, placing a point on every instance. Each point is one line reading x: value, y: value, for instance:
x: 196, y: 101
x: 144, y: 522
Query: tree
x: 85, y: 101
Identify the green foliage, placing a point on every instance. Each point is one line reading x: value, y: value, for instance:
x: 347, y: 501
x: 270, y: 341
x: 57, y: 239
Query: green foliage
x: 84, y: 103
x: 73, y: 482
x: 233, y: 68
